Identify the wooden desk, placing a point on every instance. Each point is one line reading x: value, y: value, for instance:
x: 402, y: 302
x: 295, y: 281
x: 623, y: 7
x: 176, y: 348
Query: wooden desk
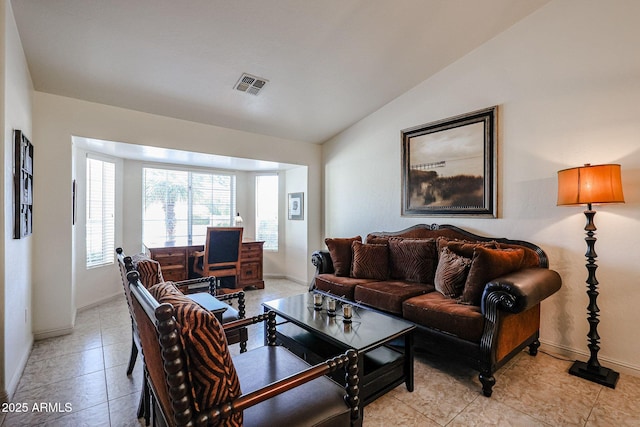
x: 176, y: 260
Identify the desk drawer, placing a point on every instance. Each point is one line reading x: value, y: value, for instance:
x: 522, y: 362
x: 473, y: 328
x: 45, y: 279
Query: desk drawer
x: 170, y: 260
x: 251, y: 251
x: 250, y: 271
x: 174, y: 273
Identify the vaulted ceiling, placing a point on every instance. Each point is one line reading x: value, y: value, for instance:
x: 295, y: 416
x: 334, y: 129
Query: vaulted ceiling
x: 328, y: 63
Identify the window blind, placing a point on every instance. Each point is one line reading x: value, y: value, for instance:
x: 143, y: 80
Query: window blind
x: 267, y: 210
x: 100, y: 212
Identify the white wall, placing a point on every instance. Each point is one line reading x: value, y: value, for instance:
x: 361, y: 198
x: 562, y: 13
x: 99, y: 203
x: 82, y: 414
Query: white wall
x: 296, y: 231
x: 567, y: 80
x: 57, y: 119
x: 16, y: 256
x: 95, y: 284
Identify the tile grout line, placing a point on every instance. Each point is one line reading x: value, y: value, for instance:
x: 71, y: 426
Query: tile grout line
x: 104, y: 367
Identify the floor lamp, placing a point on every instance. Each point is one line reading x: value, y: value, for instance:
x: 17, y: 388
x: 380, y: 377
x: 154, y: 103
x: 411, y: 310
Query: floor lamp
x: 587, y: 185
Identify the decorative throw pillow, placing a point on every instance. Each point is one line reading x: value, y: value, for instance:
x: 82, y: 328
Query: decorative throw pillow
x: 530, y: 259
x: 463, y: 247
x: 413, y: 260
x: 148, y: 270
x: 210, y: 369
x: 487, y: 264
x: 451, y: 273
x: 164, y: 289
x: 370, y: 261
x: 376, y: 240
x: 340, y: 252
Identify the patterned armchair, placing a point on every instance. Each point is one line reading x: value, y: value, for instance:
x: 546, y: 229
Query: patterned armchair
x: 195, y: 381
x: 150, y: 274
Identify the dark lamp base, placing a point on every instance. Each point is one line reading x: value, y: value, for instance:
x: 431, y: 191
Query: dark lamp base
x: 604, y: 376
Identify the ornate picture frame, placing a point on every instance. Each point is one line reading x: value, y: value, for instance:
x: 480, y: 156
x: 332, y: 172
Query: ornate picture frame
x: 449, y: 166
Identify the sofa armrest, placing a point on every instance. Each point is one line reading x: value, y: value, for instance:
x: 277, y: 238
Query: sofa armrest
x: 518, y: 291
x: 322, y: 261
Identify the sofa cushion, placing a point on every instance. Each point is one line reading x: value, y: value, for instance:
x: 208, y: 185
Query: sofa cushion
x: 451, y: 273
x: 488, y: 264
x: 148, y: 270
x: 370, y: 261
x: 413, y: 259
x: 340, y: 252
x: 341, y: 286
x: 434, y: 310
x: 210, y: 369
x: 389, y: 295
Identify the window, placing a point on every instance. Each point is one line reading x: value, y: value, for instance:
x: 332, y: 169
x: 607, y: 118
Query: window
x: 101, y: 185
x: 267, y: 210
x: 182, y: 204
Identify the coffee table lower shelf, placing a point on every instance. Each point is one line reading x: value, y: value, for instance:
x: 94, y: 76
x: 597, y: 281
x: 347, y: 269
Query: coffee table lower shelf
x: 384, y: 366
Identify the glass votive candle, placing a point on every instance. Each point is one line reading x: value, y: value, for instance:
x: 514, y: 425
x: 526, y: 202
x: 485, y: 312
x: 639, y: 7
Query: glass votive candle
x: 347, y: 312
x: 331, y: 307
x: 317, y: 301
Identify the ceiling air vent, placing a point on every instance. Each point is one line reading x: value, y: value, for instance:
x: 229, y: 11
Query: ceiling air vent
x: 250, y: 84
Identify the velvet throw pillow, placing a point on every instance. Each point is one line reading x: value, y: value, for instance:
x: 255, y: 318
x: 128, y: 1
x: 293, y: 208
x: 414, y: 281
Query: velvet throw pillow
x: 487, y: 264
x: 463, y: 247
x: 413, y: 260
x: 451, y: 273
x: 340, y: 252
x: 210, y: 369
x: 370, y: 261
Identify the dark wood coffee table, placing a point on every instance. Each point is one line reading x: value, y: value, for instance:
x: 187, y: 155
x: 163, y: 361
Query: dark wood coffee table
x: 315, y: 336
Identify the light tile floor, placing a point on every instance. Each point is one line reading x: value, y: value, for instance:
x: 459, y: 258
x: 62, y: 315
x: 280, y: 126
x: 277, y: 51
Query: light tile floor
x: 87, y: 370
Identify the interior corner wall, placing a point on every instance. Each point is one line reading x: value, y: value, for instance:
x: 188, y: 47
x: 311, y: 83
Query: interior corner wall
x: 567, y: 80
x: 57, y: 119
x: 296, y: 231
x: 16, y: 254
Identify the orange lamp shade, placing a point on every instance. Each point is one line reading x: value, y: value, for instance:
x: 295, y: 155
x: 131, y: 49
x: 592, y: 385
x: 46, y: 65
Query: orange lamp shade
x: 590, y: 184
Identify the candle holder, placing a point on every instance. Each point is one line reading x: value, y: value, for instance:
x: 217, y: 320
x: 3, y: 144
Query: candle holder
x: 317, y: 302
x: 331, y: 307
x: 347, y: 312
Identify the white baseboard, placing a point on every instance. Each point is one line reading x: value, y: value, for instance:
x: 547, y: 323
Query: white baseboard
x: 50, y: 333
x: 12, y: 383
x: 290, y: 278
x: 65, y: 331
x: 101, y: 301
x: 573, y: 354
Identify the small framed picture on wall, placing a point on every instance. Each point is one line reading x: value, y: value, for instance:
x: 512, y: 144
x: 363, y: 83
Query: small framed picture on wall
x: 296, y: 206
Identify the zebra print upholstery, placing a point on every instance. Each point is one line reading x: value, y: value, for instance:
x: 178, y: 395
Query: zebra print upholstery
x: 148, y: 269
x: 211, y: 372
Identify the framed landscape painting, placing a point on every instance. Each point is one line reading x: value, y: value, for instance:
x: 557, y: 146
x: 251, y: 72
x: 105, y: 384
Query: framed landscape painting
x: 449, y: 166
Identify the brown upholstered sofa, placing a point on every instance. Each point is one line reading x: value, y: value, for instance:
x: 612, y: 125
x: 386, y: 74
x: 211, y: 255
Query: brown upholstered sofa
x: 471, y: 297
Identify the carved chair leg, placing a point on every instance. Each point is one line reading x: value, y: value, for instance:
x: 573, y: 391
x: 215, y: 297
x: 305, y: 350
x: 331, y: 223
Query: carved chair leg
x: 533, y: 347
x: 134, y: 355
x: 488, y: 381
x: 144, y: 407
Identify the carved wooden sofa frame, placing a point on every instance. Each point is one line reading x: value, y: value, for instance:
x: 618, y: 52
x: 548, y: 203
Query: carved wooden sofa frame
x: 509, y: 303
